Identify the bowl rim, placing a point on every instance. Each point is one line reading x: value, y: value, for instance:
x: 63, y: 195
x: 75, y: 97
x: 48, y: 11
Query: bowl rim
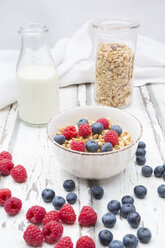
x: 95, y: 153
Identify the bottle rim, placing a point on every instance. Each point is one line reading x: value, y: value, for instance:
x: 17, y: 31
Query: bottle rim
x: 114, y: 24
x: 31, y: 28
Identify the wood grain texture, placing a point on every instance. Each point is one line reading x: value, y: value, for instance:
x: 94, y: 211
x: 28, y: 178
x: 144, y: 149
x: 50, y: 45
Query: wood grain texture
x: 30, y: 147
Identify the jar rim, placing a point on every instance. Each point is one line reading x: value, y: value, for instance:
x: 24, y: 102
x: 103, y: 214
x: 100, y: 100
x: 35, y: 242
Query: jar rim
x: 115, y: 24
x: 33, y: 28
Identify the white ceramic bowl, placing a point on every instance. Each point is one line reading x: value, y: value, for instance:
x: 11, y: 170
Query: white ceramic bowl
x: 95, y: 165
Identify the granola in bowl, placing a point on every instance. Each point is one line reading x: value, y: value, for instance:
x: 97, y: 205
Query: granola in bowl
x: 93, y: 136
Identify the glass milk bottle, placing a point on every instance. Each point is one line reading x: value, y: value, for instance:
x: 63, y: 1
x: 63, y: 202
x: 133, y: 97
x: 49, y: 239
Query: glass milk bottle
x: 36, y: 76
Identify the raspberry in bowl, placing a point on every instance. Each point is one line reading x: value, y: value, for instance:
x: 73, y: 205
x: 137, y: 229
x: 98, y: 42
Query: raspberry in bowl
x: 94, y: 142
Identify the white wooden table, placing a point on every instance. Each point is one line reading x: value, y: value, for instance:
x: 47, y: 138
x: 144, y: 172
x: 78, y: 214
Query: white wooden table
x: 30, y: 147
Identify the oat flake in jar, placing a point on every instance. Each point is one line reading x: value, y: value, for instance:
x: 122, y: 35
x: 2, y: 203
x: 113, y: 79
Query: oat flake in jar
x: 115, y: 44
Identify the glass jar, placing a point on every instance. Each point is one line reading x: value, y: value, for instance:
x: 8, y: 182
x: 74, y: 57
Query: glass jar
x: 36, y: 77
x: 115, y: 45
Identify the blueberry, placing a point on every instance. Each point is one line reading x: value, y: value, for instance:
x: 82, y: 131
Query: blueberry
x: 158, y: 171
x: 140, y: 152
x: 144, y: 235
x: 48, y: 195
x: 163, y: 166
x: 147, y: 171
x: 163, y: 175
x: 71, y: 198
x: 126, y: 209
x: 92, y: 146
x: 97, y: 192
x: 140, y: 160
x: 58, y: 202
x: 140, y: 191
x: 127, y: 199
x: 109, y: 220
x: 141, y: 144
x: 114, y: 206
x: 116, y: 244
x: 117, y: 129
x: 69, y: 185
x: 81, y: 121
x: 134, y: 219
x: 105, y: 237
x: 60, y: 139
x: 130, y: 241
x: 161, y: 190
x: 107, y: 147
x: 97, y: 128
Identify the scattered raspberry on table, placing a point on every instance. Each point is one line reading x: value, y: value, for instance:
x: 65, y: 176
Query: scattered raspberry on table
x: 87, y: 217
x: 5, y: 194
x: 5, y: 166
x: 19, y: 173
x: 13, y: 205
x: 85, y: 242
x: 52, y: 215
x: 33, y: 235
x: 52, y: 232
x: 35, y: 214
x: 5, y: 155
x: 67, y: 214
x: 65, y: 242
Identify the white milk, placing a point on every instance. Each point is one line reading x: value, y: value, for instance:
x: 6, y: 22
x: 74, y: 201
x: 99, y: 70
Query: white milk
x: 37, y: 88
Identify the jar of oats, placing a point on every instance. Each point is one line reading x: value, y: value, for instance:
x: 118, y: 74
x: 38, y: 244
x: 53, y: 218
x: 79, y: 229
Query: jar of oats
x: 115, y: 44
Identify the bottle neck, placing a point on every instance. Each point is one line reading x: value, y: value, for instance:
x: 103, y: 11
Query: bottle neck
x: 35, y: 41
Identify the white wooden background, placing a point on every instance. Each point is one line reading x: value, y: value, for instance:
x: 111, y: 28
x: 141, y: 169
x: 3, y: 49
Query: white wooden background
x: 31, y: 148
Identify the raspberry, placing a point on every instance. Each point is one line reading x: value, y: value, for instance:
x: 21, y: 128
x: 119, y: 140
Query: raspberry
x: 65, y: 242
x: 70, y: 132
x: 87, y: 217
x: 5, y: 166
x: 85, y: 130
x: 33, y: 235
x: 112, y: 137
x: 67, y: 214
x: 52, y: 231
x: 13, y: 205
x: 5, y: 194
x: 52, y: 215
x: 104, y: 122
x: 85, y: 242
x: 78, y: 146
x: 35, y: 214
x: 19, y: 173
x: 5, y: 155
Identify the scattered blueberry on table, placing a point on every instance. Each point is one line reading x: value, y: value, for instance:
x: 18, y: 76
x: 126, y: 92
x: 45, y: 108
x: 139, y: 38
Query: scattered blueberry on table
x: 58, y: 202
x: 116, y: 244
x: 81, y: 121
x: 71, y: 198
x: 126, y: 209
x: 130, y: 241
x: 140, y: 191
x: 140, y: 160
x: 69, y: 185
x: 107, y: 147
x: 105, y: 237
x: 114, y: 206
x: 109, y: 220
x: 60, y: 139
x: 161, y: 190
x: 140, y: 152
x: 144, y: 235
x: 141, y: 144
x: 97, y: 192
x: 48, y: 195
x: 147, y: 171
x: 134, y: 219
x: 127, y: 199
x: 91, y: 146
x: 117, y: 129
x: 97, y: 128
x: 158, y: 171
